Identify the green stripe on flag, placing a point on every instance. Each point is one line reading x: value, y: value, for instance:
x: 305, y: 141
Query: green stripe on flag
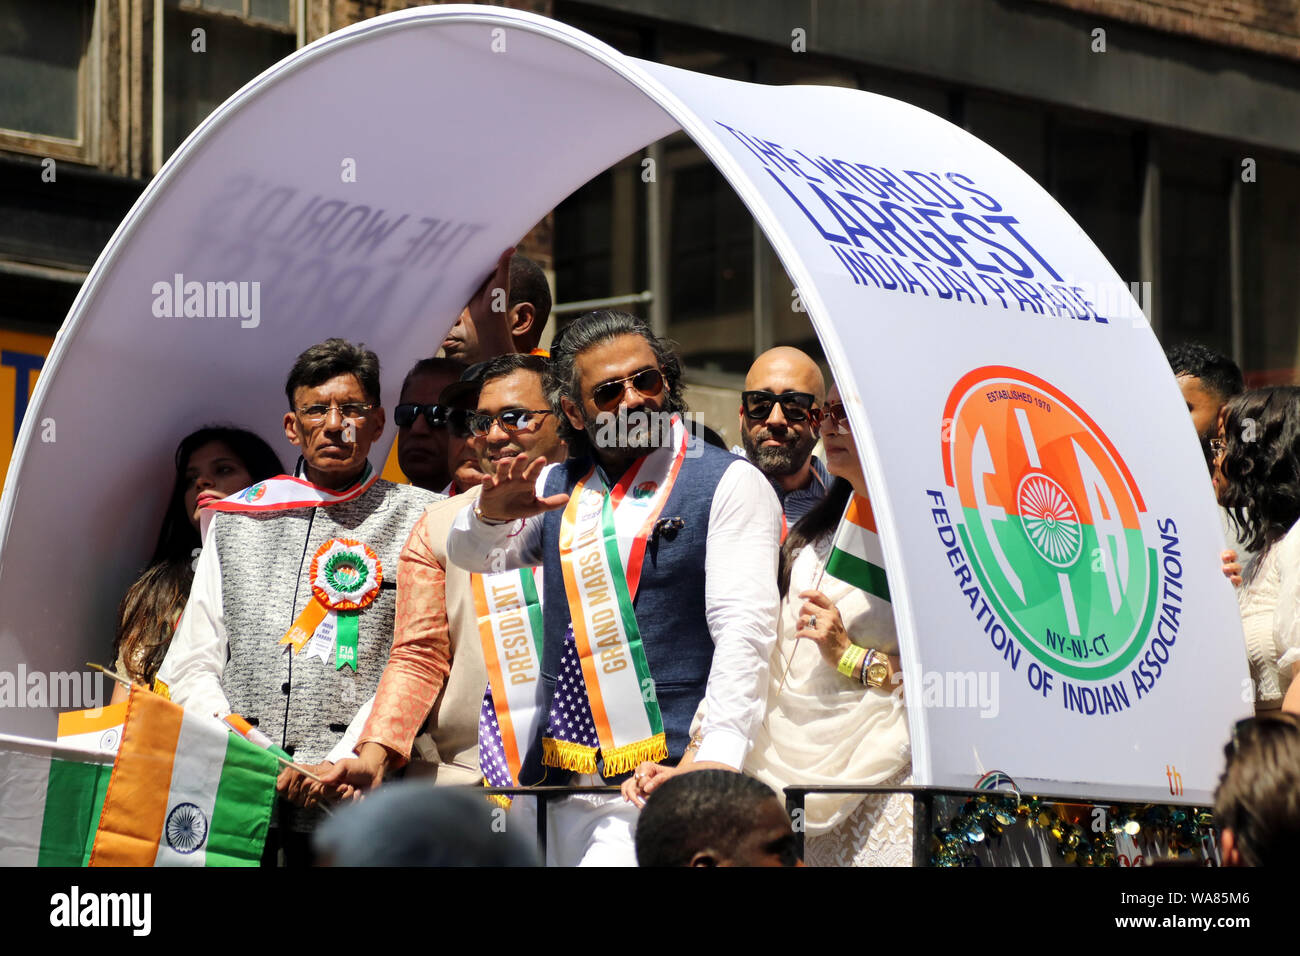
x: 242, y: 810
x: 74, y: 796
x: 853, y: 570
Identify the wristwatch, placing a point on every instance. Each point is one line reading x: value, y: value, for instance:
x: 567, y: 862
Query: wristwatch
x: 875, y: 670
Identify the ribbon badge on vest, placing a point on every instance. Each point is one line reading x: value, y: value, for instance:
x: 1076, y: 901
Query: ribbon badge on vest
x: 603, y: 537
x: 345, y: 578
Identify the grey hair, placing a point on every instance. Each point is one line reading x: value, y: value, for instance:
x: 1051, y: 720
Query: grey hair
x: 590, y: 329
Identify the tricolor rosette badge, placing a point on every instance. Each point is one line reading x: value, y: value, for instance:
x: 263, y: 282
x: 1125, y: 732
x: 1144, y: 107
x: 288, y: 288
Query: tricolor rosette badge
x: 345, y: 578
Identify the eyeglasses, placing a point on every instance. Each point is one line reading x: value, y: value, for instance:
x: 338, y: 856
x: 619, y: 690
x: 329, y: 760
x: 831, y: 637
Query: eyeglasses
x: 435, y: 416
x: 649, y: 382
x: 514, y: 420
x: 835, y: 415
x: 795, y: 406
x: 349, y: 411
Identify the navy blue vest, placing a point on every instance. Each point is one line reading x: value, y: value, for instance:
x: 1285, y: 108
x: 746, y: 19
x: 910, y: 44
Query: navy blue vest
x: 669, y: 602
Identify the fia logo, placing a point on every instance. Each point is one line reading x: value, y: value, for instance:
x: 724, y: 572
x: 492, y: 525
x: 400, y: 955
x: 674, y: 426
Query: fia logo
x: 1043, y: 489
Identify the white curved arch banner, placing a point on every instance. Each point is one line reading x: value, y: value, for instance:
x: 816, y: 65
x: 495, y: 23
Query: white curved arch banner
x: 1044, y: 509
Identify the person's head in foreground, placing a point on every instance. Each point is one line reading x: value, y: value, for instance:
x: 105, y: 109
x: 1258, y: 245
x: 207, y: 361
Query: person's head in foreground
x: 335, y: 410
x: 714, y: 818
x: 413, y: 823
x: 613, y: 385
x: 779, y: 411
x: 1257, y: 805
x: 1207, y: 380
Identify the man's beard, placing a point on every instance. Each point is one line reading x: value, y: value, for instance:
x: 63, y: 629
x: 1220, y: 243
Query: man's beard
x: 630, y: 433
x: 781, y: 460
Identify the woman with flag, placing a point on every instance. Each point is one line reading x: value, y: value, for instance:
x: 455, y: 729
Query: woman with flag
x: 834, y: 717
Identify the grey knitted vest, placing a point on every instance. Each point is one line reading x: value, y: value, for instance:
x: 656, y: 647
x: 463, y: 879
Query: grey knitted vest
x: 301, y: 703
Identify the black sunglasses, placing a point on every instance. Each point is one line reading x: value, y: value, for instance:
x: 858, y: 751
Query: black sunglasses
x: 435, y: 416
x: 795, y: 406
x: 649, y: 382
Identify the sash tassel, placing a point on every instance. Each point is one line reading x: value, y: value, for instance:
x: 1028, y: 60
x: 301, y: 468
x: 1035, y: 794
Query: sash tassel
x: 625, y: 759
x: 568, y: 755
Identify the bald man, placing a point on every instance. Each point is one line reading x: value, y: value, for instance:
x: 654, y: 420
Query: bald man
x: 779, y: 407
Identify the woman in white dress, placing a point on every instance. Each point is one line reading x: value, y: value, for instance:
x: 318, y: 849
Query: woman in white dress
x: 1257, y: 478
x: 824, y: 724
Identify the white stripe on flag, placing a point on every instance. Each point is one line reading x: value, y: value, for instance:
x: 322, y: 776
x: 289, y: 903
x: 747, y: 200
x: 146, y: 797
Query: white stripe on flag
x: 23, y: 780
x: 196, y: 774
x: 862, y: 543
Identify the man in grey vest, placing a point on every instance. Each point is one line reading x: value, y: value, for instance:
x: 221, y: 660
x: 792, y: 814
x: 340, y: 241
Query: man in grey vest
x: 290, y: 619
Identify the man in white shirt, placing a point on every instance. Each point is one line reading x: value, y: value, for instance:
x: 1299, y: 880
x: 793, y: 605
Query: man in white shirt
x: 659, y: 556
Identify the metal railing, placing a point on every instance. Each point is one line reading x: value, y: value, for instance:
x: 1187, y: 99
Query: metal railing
x: 923, y: 800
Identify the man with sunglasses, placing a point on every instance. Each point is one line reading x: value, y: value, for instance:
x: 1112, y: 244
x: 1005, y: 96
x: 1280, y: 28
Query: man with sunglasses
x: 779, y: 411
x: 290, y: 619
x: 437, y: 604
x: 422, y: 423
x: 659, y: 581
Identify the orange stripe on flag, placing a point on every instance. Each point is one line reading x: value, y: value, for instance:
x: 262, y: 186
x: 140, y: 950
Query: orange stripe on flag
x: 136, y: 808
x: 89, y: 721
x: 859, y: 513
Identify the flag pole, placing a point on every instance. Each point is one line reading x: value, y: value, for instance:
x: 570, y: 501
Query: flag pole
x: 128, y: 684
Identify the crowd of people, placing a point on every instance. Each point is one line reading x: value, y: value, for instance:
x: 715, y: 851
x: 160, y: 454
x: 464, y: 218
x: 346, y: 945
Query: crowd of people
x: 579, y: 588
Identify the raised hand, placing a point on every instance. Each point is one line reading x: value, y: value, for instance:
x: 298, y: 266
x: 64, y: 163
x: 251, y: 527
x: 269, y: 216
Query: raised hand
x: 512, y: 492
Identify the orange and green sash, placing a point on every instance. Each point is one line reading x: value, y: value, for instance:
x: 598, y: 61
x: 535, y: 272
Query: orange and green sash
x: 603, y: 537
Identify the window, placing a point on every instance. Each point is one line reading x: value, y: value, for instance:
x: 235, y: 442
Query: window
x: 1270, y: 233
x: 1193, y: 288
x: 1017, y: 131
x: 46, y: 63
x: 1096, y: 174
x: 199, y: 72
x: 710, y: 265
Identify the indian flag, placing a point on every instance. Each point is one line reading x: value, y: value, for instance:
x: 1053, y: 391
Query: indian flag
x: 184, y: 792
x: 50, y: 797
x: 856, y: 556
x: 97, y: 729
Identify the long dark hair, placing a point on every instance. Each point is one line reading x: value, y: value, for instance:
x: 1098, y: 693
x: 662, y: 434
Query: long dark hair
x: 1261, y: 464
x: 824, y: 517
x: 147, y: 615
x: 584, y: 332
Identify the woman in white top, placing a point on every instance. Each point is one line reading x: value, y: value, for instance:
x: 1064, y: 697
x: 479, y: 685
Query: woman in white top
x: 1257, y: 478
x: 824, y: 726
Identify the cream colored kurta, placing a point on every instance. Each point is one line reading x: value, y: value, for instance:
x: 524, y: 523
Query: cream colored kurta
x: 825, y: 728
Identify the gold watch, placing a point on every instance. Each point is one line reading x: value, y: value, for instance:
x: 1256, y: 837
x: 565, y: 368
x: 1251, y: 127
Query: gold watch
x: 875, y: 670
